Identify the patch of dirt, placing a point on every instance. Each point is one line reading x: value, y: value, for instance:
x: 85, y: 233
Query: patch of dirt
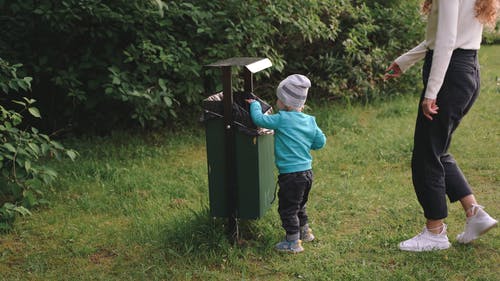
x: 103, y: 256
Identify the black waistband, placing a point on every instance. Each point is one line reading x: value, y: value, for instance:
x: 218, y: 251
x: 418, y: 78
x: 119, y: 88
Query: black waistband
x: 458, y: 51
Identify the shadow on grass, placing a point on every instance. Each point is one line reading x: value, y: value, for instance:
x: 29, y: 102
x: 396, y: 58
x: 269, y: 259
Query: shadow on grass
x: 198, y: 235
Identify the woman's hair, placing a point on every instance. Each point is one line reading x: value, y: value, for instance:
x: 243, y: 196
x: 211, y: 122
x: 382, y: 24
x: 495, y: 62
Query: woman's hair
x: 486, y: 10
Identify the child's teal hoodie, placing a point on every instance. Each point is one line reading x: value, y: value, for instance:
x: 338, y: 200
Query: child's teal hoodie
x: 295, y: 134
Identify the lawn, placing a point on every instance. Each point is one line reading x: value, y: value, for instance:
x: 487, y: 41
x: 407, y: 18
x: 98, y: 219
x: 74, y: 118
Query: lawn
x: 135, y: 207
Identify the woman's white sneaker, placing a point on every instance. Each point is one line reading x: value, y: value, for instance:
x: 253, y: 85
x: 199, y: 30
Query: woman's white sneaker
x: 476, y: 225
x: 426, y: 241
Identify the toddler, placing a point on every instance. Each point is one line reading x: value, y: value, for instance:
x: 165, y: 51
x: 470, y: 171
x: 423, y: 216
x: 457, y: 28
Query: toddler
x: 295, y: 134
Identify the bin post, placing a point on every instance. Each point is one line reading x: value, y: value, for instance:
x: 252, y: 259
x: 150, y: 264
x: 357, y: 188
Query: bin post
x: 248, y: 80
x: 230, y: 152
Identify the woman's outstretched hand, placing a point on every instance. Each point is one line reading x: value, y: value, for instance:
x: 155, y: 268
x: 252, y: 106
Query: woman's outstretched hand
x: 393, y: 71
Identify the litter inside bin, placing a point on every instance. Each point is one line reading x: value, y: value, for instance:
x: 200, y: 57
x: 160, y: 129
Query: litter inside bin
x: 214, y: 108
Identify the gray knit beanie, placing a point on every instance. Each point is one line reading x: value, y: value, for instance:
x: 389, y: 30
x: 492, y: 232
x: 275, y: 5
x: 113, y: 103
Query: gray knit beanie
x: 293, y: 90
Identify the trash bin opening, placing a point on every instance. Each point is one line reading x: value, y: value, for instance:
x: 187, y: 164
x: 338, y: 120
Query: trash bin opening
x: 213, y: 107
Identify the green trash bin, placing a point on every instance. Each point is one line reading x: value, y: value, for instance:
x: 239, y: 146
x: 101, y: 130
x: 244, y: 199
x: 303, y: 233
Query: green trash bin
x: 254, y: 169
x: 240, y: 157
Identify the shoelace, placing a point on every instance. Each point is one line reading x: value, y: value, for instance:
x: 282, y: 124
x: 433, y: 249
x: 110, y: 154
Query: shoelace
x: 419, y: 236
x: 474, y: 208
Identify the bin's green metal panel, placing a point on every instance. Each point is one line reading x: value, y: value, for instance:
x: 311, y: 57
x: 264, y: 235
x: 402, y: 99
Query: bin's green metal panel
x: 216, y: 165
x: 254, y: 172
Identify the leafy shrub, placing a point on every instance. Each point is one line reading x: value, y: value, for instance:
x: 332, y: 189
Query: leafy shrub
x: 492, y: 35
x: 365, y: 36
x: 22, y: 174
x: 99, y: 65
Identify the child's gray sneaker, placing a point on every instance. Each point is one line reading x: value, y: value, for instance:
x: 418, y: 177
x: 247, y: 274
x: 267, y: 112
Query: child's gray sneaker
x: 426, y: 241
x: 306, y: 234
x: 293, y: 247
x: 476, y: 225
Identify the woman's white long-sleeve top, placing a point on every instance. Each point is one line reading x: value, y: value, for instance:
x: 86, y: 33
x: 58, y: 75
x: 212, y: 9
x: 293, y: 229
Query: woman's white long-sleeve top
x: 451, y: 24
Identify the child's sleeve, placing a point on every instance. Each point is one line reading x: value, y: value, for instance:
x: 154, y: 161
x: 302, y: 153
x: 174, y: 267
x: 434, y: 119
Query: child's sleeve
x: 262, y: 120
x: 319, y: 139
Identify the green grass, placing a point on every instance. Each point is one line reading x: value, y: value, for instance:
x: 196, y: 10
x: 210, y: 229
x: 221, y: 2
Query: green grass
x: 136, y: 207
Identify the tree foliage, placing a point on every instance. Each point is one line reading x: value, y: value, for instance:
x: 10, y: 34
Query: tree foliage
x: 100, y: 64
x: 22, y: 173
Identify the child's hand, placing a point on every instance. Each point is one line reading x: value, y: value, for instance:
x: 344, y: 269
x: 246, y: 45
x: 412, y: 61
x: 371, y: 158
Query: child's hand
x: 249, y: 100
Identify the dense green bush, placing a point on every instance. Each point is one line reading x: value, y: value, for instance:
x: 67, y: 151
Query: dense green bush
x: 22, y: 174
x: 492, y: 35
x: 100, y: 64
x: 347, y: 57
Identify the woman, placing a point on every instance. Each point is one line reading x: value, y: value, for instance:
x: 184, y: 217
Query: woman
x: 451, y: 85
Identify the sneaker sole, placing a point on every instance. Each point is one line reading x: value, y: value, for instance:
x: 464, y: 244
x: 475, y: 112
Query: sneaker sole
x: 425, y: 249
x: 481, y: 233
x: 290, y: 251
